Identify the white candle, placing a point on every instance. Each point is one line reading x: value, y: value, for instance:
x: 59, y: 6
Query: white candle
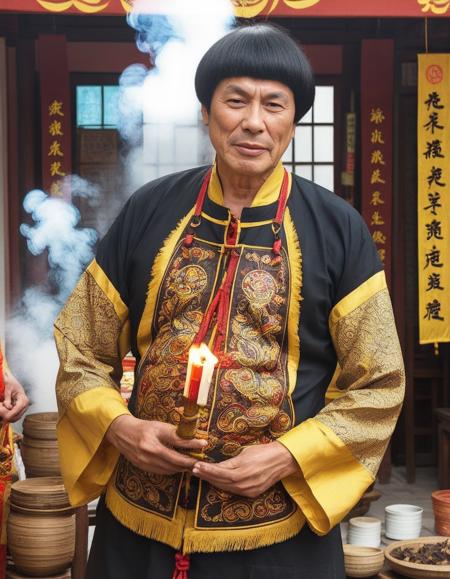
x: 200, y: 355
x: 208, y: 371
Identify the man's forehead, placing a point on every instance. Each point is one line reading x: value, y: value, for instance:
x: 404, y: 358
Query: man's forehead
x: 246, y: 84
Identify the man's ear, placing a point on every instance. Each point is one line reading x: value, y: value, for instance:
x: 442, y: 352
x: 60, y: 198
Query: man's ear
x: 205, y: 115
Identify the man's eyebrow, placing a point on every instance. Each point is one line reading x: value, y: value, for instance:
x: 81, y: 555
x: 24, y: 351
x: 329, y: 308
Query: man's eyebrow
x: 276, y: 95
x: 235, y: 88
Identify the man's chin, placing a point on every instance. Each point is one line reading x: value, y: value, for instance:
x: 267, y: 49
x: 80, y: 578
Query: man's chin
x: 253, y: 168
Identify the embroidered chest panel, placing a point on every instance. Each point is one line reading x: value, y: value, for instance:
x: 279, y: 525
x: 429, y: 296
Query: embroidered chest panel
x: 248, y: 402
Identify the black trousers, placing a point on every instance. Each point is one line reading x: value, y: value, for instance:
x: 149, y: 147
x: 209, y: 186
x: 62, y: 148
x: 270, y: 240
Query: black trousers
x: 118, y: 553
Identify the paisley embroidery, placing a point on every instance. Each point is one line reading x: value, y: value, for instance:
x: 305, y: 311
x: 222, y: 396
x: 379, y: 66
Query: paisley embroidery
x: 249, y: 404
x: 221, y: 507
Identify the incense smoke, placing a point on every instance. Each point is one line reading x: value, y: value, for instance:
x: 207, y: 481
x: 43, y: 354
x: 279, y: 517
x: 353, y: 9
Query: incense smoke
x: 159, y: 111
x: 32, y: 353
x: 159, y: 122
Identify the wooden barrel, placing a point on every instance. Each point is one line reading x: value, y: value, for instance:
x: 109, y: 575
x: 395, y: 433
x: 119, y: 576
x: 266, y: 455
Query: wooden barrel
x: 39, y: 448
x: 41, y: 527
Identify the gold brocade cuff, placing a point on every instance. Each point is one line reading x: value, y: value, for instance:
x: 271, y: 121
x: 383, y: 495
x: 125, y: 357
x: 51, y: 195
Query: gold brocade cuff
x: 357, y: 297
x: 87, y: 459
x: 331, y: 480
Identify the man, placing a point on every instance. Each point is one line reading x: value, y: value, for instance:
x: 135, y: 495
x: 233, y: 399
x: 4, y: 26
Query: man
x: 281, y: 279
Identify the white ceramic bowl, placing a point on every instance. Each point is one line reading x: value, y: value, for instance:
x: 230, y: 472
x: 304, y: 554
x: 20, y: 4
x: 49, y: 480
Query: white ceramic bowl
x: 403, y: 521
x: 364, y: 531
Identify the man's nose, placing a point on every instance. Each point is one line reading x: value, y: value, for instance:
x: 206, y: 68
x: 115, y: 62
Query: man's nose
x: 254, y: 118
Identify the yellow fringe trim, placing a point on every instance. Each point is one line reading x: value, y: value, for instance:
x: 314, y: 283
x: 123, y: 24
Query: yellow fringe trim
x: 168, y: 531
x: 295, y: 297
x: 160, y: 264
x: 235, y: 539
x: 180, y: 532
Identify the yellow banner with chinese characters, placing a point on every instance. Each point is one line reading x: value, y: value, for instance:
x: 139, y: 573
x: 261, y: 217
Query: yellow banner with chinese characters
x: 434, y: 198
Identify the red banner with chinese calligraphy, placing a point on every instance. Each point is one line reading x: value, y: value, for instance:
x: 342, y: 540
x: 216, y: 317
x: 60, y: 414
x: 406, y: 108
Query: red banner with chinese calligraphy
x: 251, y: 8
x: 377, y: 62
x: 55, y: 112
x: 434, y: 198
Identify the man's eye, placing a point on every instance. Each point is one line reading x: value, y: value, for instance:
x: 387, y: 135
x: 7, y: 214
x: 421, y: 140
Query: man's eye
x: 235, y: 101
x: 274, y: 105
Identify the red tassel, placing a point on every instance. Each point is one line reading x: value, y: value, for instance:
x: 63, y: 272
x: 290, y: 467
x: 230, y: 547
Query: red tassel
x: 189, y: 238
x: 276, y: 249
x: 181, y: 566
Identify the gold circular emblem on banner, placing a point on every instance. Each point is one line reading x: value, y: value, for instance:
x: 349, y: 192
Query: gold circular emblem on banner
x: 436, y: 6
x: 251, y: 8
x: 300, y: 4
x: 127, y: 5
x: 86, y: 6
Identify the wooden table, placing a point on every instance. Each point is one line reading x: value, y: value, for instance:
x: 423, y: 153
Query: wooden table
x: 443, y: 416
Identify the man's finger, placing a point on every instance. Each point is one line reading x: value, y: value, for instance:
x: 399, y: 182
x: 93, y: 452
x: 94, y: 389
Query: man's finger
x: 177, y: 459
x: 215, y: 473
x: 194, y: 443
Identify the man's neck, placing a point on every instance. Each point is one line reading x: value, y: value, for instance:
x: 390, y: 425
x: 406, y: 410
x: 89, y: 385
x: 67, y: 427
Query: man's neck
x: 239, y: 190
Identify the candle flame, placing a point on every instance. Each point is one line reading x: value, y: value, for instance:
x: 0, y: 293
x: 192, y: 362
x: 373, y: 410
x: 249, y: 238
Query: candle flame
x: 199, y: 355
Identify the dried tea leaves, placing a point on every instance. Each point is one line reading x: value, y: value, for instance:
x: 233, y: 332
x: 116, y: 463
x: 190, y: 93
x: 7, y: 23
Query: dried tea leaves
x: 427, y: 554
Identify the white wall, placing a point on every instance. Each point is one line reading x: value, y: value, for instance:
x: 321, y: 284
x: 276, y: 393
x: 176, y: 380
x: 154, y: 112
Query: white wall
x: 3, y: 188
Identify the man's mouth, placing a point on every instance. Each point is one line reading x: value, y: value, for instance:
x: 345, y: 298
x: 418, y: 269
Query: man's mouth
x: 250, y: 149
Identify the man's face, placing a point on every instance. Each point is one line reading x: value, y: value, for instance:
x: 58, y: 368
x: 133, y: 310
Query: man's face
x: 251, y: 123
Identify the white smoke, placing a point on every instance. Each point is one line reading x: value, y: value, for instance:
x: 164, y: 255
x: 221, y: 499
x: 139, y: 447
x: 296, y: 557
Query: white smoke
x: 32, y: 353
x: 157, y: 104
x: 153, y: 102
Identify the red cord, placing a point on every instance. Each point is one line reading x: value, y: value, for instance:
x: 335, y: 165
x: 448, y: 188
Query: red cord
x: 221, y: 301
x: 182, y: 565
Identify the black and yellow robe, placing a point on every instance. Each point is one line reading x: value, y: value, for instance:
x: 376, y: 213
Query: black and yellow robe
x: 290, y: 325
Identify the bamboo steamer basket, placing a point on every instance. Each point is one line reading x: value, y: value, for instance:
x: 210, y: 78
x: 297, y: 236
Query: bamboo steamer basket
x: 39, y: 448
x: 41, y: 527
x: 13, y: 574
x: 41, y: 425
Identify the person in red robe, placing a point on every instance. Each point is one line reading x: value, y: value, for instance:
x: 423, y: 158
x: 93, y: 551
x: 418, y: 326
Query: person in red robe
x: 13, y: 404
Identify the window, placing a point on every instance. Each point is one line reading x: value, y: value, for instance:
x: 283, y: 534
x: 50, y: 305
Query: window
x: 97, y: 106
x: 311, y: 152
x: 170, y: 147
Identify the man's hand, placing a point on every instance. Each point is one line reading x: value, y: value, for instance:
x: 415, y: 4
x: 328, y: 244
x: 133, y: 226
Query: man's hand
x: 252, y: 472
x: 15, y: 402
x: 149, y: 445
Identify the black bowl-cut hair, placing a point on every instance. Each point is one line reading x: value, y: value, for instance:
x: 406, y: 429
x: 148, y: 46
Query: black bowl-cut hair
x: 260, y: 51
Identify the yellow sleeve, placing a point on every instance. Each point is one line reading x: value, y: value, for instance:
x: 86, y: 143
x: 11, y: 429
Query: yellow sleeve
x: 91, y: 335
x: 339, y: 450
x: 87, y: 459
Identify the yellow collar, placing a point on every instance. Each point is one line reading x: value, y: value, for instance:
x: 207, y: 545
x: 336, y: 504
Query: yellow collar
x: 268, y: 192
